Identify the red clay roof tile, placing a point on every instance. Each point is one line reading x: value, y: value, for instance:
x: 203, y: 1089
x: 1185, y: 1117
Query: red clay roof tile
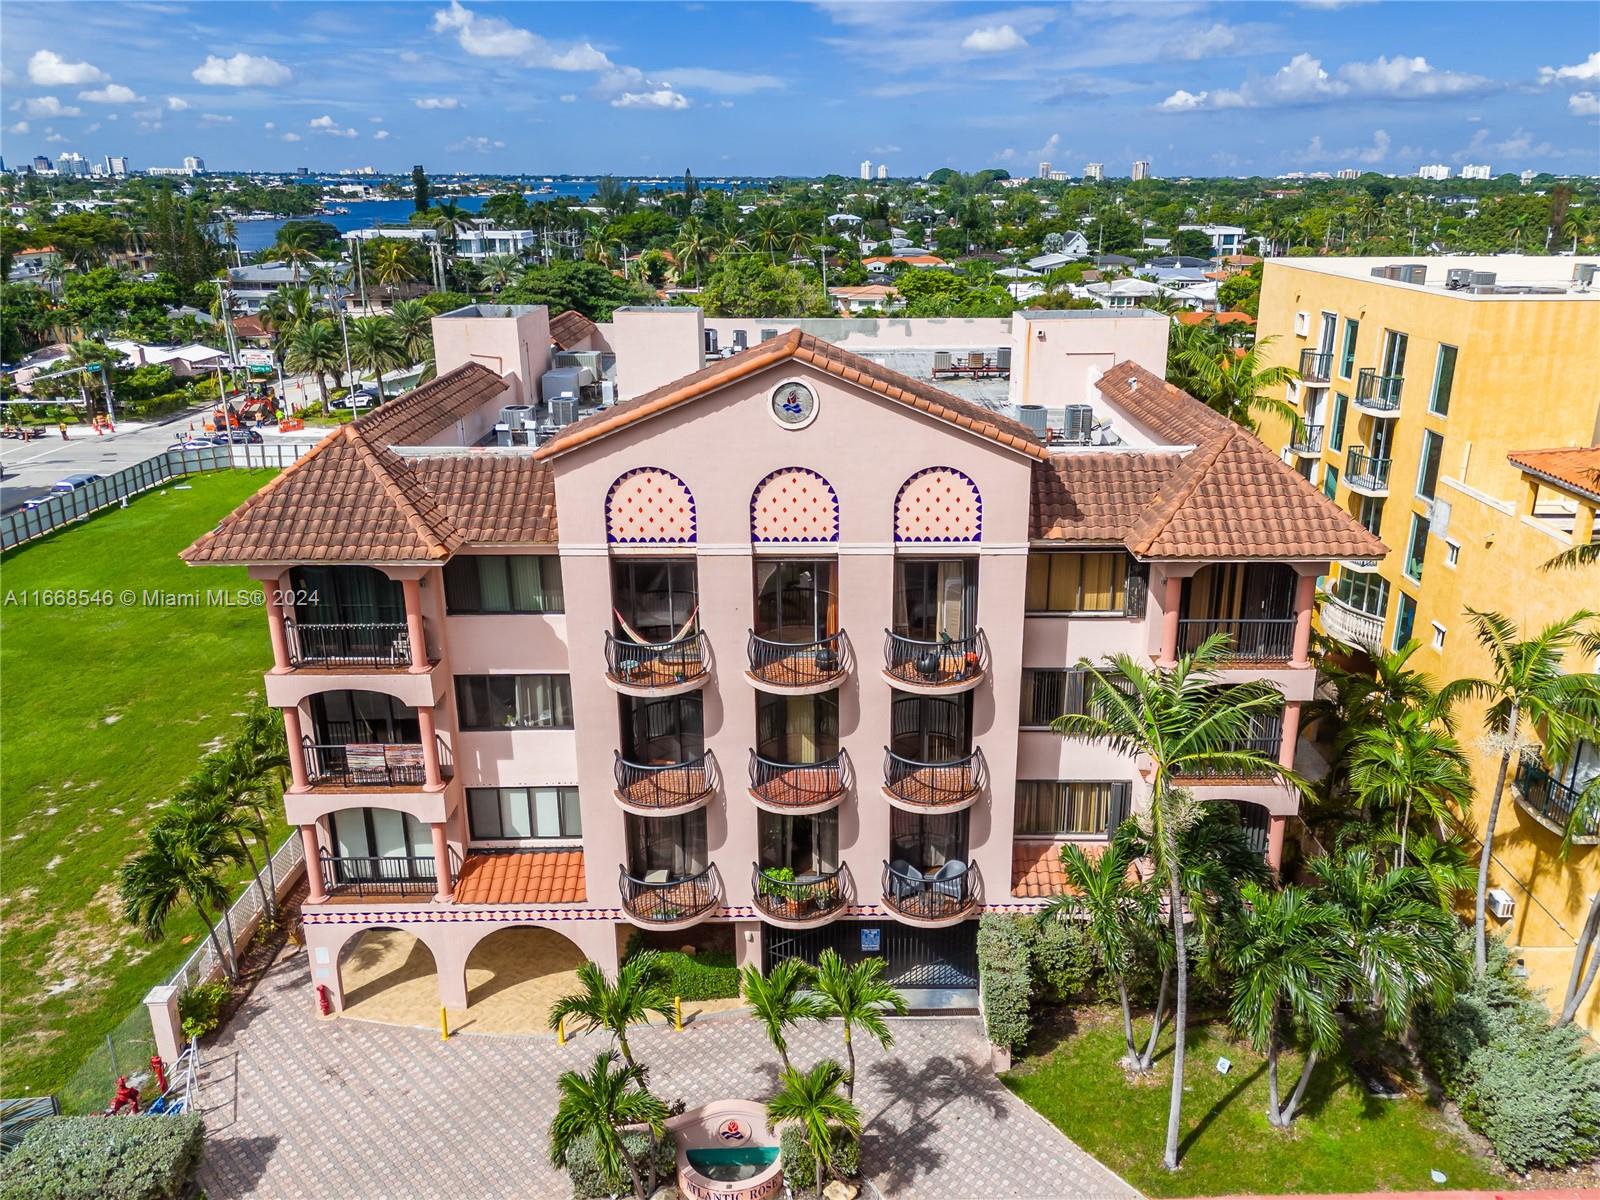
x: 1574, y: 467
x: 522, y: 877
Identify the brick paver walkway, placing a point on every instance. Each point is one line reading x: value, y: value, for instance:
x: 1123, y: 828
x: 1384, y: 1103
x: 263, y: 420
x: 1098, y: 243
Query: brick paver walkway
x: 305, y: 1108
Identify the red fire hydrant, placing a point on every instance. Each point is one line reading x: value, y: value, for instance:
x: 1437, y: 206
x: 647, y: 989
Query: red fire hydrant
x: 324, y: 1001
x: 160, y: 1068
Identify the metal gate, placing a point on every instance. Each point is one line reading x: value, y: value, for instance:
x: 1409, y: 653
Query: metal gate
x: 913, y: 957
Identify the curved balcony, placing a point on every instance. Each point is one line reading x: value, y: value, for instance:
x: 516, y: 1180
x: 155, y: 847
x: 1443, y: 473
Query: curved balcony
x: 1553, y: 802
x: 803, y: 901
x: 669, y: 903
x: 657, y: 668
x: 936, y: 667
x: 798, y: 668
x: 917, y: 786
x: 945, y: 897
x: 664, y: 789
x: 799, y: 788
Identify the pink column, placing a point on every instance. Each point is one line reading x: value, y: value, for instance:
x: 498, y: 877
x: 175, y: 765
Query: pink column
x: 412, y: 590
x: 1276, y: 826
x: 275, y: 626
x: 432, y: 776
x: 441, y: 862
x: 292, y: 736
x: 313, y: 845
x: 1170, y: 611
x: 1305, y: 592
x: 1291, y: 733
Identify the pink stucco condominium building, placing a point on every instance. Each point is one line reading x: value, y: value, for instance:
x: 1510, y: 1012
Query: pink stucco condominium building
x: 769, y: 643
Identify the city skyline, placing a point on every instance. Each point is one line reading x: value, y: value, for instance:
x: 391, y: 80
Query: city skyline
x: 1227, y: 88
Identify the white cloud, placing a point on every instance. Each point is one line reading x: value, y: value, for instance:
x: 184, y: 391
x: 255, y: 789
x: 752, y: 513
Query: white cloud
x: 1303, y: 81
x: 1182, y: 101
x: 56, y: 137
x: 176, y: 103
x: 49, y: 106
x: 661, y: 97
x: 291, y: 137
x: 993, y: 39
x: 480, y: 144
x: 112, y: 93
x: 1316, y: 152
x: 17, y: 127
x: 1207, y: 43
x: 568, y: 98
x: 726, y: 83
x: 493, y: 37
x: 437, y: 102
x: 242, y: 70
x: 48, y: 69
x: 326, y: 124
x: 270, y: 125
x: 322, y: 122
x: 376, y: 120
x: 1588, y: 71
x: 381, y: 136
x: 1584, y: 104
x: 209, y: 119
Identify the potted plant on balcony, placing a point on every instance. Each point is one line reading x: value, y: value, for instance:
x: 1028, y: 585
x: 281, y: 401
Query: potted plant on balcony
x: 777, y: 885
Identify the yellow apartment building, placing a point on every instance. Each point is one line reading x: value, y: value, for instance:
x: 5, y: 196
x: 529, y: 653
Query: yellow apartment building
x: 1452, y: 405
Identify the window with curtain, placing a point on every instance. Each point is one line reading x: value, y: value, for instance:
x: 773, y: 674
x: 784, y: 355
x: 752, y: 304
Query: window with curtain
x: 379, y: 833
x: 1077, y: 808
x: 797, y: 729
x: 1071, y: 582
x: 796, y: 599
x: 487, y: 702
x: 503, y: 583
x: 935, y: 599
x: 339, y: 718
x: 807, y: 845
x: 927, y: 841
x: 346, y: 595
x: 1050, y: 693
x: 536, y: 812
x: 674, y: 845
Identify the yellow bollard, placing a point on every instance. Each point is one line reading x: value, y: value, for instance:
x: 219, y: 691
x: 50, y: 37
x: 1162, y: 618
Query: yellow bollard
x: 677, y: 1013
x: 444, y: 1025
x: 561, y: 1032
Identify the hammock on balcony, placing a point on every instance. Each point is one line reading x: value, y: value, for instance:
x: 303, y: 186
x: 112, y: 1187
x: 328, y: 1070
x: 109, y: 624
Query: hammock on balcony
x: 639, y: 639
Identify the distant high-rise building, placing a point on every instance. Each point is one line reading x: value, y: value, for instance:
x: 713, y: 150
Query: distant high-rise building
x: 194, y: 164
x: 866, y: 168
x: 42, y: 165
x: 116, y: 164
x: 1094, y: 171
x: 1044, y: 170
x: 1349, y: 173
x: 70, y: 162
x: 1433, y: 171
x: 883, y: 170
x: 1475, y: 171
x: 1526, y: 178
x: 1059, y: 176
x: 1141, y: 169
x: 302, y: 171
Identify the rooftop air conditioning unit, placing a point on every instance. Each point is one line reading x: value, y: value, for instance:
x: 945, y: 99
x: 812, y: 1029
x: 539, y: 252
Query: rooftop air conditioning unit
x: 741, y: 340
x: 1416, y: 273
x: 941, y: 360
x: 515, y: 416
x: 711, y: 341
x: 1583, y: 275
x: 1079, y: 424
x: 1002, y: 356
x: 563, y: 410
x: 1483, y: 279
x: 1380, y: 272
x: 1457, y: 278
x: 1035, y: 418
x: 768, y: 334
x: 1500, y: 903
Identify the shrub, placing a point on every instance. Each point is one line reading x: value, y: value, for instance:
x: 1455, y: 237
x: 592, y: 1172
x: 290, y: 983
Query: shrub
x: 800, y: 1164
x: 708, y: 975
x: 589, y: 1182
x: 1003, y: 979
x: 200, y: 1008
x: 1060, y: 958
x: 87, y: 1158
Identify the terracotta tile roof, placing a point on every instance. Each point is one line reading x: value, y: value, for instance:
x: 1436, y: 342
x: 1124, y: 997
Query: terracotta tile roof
x: 569, y: 328
x: 1036, y: 870
x: 913, y: 260
x: 802, y: 347
x: 426, y: 411
x: 1168, y: 412
x: 504, y: 499
x: 1095, y: 497
x: 1221, y: 318
x: 1574, y: 467
x: 249, y: 327
x: 524, y: 877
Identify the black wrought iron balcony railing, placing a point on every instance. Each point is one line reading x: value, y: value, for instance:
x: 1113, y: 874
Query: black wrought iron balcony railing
x: 1307, y: 439
x: 348, y: 643
x: 1265, y: 742
x: 668, y: 900
x: 934, y: 785
x: 1553, y: 800
x: 799, y: 785
x: 364, y: 764
x: 1375, y: 392
x: 786, y: 895
x: 944, y: 662
x: 1250, y: 639
x: 656, y: 664
x: 1315, y: 366
x: 950, y: 891
x: 386, y: 875
x: 1364, y: 472
x: 797, y: 664
x: 665, y: 785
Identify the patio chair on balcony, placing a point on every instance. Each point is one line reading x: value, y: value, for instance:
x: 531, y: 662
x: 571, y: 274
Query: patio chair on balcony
x: 905, y: 881
x: 950, y: 880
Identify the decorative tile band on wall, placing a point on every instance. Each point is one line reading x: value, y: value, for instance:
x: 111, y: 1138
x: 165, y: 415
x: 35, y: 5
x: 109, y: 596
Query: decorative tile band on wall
x: 938, y: 504
x: 533, y: 913
x: 650, y: 506
x: 794, y: 504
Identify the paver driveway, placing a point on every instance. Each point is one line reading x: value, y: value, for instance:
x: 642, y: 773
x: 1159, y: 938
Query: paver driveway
x: 307, y: 1108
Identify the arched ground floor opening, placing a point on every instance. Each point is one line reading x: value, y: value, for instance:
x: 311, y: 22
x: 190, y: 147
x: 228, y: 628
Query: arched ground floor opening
x: 514, y: 976
x: 389, y: 975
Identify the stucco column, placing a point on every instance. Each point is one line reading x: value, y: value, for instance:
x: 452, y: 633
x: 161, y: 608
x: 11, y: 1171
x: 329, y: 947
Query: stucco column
x: 441, y: 863
x: 412, y: 590
x: 162, y: 1005
x: 275, y: 624
x: 1304, y: 594
x: 1291, y: 733
x: 433, y: 777
x: 1171, y: 609
x: 313, y: 845
x: 747, y: 944
x: 293, y: 737
x: 1276, y: 827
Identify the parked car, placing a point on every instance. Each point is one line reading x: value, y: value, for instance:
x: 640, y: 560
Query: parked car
x: 62, y: 487
x: 237, y: 437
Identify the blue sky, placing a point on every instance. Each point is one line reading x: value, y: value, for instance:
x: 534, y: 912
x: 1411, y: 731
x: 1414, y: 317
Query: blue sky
x: 1198, y: 88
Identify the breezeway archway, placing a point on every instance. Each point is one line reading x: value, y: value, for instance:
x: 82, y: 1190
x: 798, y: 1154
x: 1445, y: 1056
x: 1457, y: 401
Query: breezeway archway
x: 389, y: 975
x: 514, y: 975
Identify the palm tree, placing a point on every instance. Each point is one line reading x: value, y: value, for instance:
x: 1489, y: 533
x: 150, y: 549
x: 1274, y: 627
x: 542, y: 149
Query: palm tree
x: 499, y: 271
x: 391, y: 265
x: 314, y: 348
x: 1528, y: 686
x: 175, y: 868
x: 99, y: 359
x: 1446, y: 863
x: 811, y: 1100
x: 638, y: 991
x: 375, y: 344
x: 1289, y: 955
x: 1180, y: 721
x: 413, y: 322
x: 295, y: 247
x: 230, y: 237
x: 1236, y: 384
x: 1411, y: 761
x: 598, y: 1107
x: 450, y: 219
x: 693, y: 247
x: 779, y: 1000
x: 858, y: 995
x: 1110, y: 906
x: 258, y: 762
x: 208, y: 798
x: 768, y: 231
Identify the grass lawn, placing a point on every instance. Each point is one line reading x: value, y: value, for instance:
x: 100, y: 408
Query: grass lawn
x: 103, y: 710
x: 1342, y: 1141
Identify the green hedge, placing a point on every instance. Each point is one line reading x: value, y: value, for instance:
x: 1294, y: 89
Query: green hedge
x: 589, y: 1182
x: 1061, y: 961
x: 800, y: 1164
x: 1532, y: 1088
x: 1003, y: 978
x: 89, y: 1158
x: 707, y: 975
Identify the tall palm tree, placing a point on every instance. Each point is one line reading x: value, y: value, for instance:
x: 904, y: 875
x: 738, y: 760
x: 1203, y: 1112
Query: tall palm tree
x: 1111, y: 904
x: 258, y: 761
x: 207, y: 798
x: 1182, y: 723
x: 98, y: 359
x: 314, y: 348
x: 598, y: 1107
x: 1411, y: 762
x: 375, y: 345
x: 175, y: 868
x: 858, y: 995
x: 1289, y: 957
x: 638, y: 990
x: 767, y: 231
x: 693, y: 247
x: 450, y: 219
x: 295, y: 247
x: 391, y: 265
x: 811, y: 1100
x: 1236, y: 384
x: 1528, y: 687
x: 780, y: 1000
x: 413, y: 321
x: 499, y: 271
